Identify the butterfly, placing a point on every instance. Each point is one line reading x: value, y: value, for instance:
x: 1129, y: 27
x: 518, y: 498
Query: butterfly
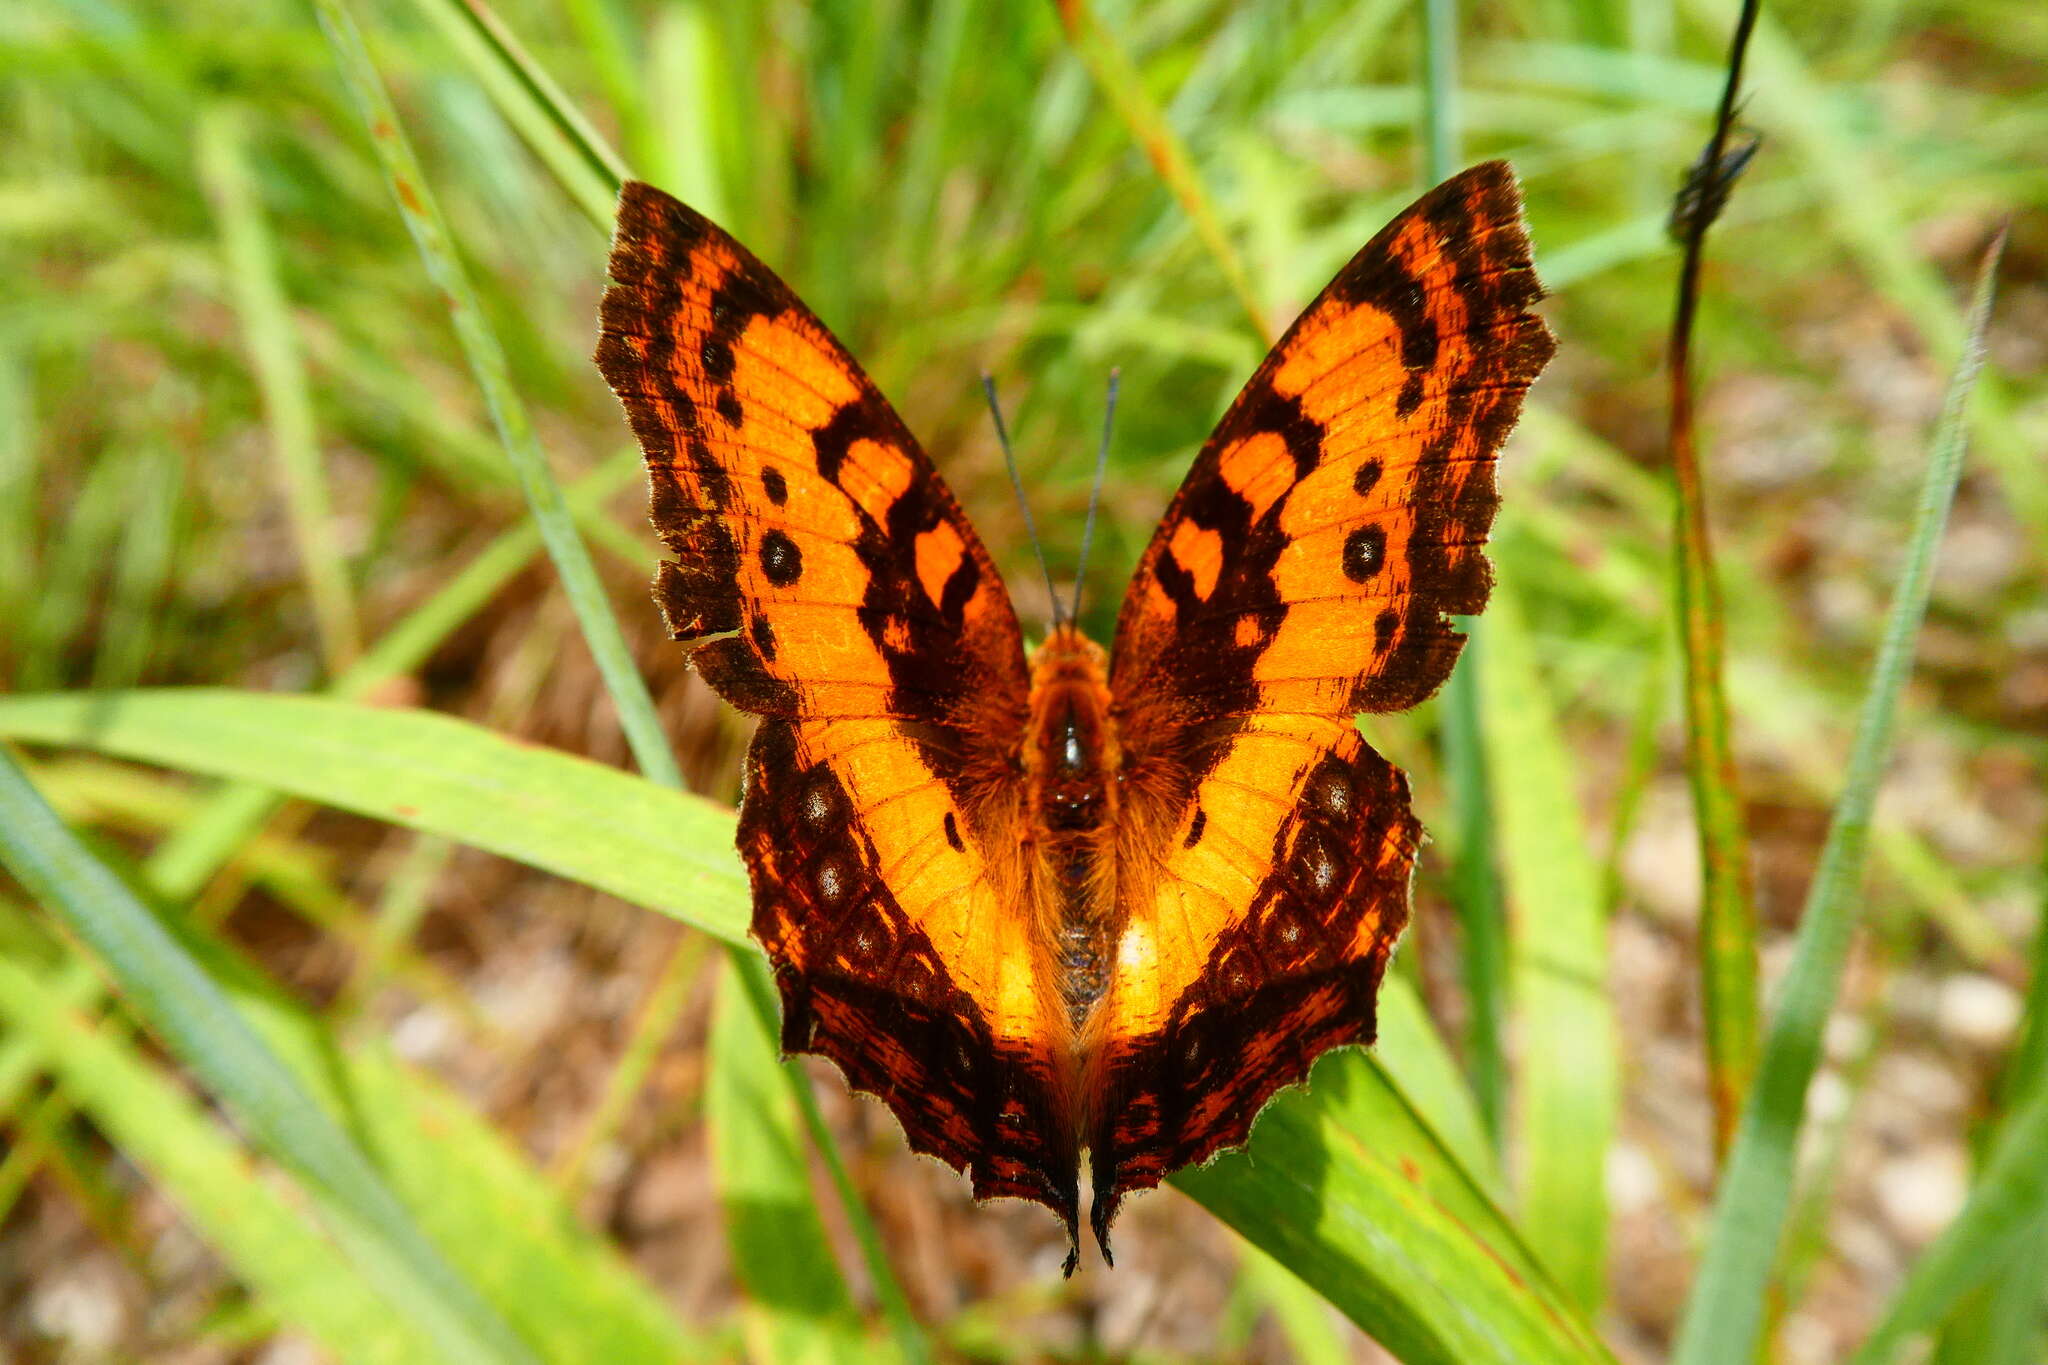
x: 1078, y: 900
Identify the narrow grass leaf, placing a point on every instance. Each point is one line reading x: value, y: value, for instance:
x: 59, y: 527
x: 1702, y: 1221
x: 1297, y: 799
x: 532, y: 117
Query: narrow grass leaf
x: 269, y: 1245
x: 1414, y: 1054
x: 1723, y: 1314
x: 179, y: 866
x: 780, y: 1252
x: 654, y: 1025
x: 1996, y: 1322
x: 1567, y: 1083
x: 578, y: 819
x: 184, y: 1006
x: 1302, y: 1315
x: 493, y: 376
x: 2006, y: 1208
x: 2001, y: 1322
x: 274, y: 353
x: 508, y: 1231
x: 1123, y: 85
x: 1345, y: 1185
x: 588, y: 170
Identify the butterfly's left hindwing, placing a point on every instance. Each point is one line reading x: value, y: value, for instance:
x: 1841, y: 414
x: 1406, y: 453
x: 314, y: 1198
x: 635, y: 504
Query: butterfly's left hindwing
x: 839, y: 593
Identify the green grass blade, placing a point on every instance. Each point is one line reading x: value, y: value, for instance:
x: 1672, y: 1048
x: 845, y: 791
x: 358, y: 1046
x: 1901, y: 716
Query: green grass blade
x: 1347, y: 1186
x: 654, y: 1024
x: 20, y: 584
x: 1567, y: 1086
x: 562, y: 1286
x: 2001, y: 1322
x: 183, y: 1005
x: 183, y: 863
x: 1439, y: 89
x: 2006, y: 1208
x: 582, y: 820
x: 1347, y: 1183
x: 270, y: 1246
x: 1414, y: 1055
x: 1723, y: 1315
x: 1123, y: 86
x: 690, y: 83
x: 488, y: 365
x: 1303, y: 1317
x: 272, y: 340
x: 1997, y: 1322
x: 558, y: 134
x: 780, y: 1252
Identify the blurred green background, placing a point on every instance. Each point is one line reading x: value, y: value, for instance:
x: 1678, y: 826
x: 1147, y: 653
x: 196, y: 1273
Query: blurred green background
x: 240, y: 444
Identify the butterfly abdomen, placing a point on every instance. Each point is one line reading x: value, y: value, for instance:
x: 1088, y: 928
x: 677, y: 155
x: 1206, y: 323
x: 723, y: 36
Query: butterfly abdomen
x: 1071, y: 758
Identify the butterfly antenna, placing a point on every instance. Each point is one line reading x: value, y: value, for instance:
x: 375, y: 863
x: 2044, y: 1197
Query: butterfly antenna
x: 988, y: 387
x: 1094, y: 495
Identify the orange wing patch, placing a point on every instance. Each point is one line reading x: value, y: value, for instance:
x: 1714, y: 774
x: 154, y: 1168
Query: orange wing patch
x: 1303, y: 573
x: 828, y: 581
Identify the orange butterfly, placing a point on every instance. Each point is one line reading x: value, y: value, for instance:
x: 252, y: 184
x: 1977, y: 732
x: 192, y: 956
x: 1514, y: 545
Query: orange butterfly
x: 1110, y: 902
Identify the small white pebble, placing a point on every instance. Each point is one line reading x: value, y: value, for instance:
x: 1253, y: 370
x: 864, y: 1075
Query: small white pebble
x: 80, y: 1306
x: 290, y: 1349
x: 1632, y: 1180
x: 1920, y: 1192
x: 1979, y: 1010
x: 1846, y: 1037
x: 1807, y: 1340
x: 423, y: 1035
x: 1928, y: 1084
x: 1661, y: 861
x: 1827, y: 1099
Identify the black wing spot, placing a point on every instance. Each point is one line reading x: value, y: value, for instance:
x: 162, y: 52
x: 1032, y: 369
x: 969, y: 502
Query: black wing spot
x: 764, y: 638
x: 729, y: 408
x: 1367, y: 478
x: 717, y: 359
x: 953, y: 833
x: 1383, y: 631
x: 1195, y: 830
x: 775, y: 486
x: 1410, y: 397
x: 1365, y: 549
x: 781, y: 560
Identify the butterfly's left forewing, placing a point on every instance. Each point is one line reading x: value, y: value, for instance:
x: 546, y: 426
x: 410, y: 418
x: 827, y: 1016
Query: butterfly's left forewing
x: 1304, y: 573
x: 832, y: 587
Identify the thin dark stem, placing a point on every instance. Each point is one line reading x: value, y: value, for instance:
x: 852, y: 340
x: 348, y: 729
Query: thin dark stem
x: 1728, y: 916
x: 1694, y: 224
